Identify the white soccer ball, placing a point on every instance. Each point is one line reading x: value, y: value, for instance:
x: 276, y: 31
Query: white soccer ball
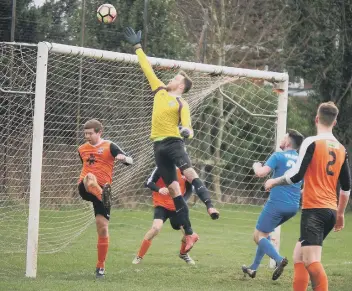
x: 106, y: 13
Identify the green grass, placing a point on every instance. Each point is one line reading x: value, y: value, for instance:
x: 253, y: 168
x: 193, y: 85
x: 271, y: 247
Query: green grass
x: 224, y: 246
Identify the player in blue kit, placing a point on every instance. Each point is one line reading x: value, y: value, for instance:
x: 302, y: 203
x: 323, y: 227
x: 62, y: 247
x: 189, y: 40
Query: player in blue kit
x: 283, y: 203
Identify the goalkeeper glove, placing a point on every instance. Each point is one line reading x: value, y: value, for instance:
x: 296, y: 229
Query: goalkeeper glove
x: 132, y: 37
x: 185, y: 132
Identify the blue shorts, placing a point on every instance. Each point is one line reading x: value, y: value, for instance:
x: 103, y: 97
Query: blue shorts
x: 274, y: 215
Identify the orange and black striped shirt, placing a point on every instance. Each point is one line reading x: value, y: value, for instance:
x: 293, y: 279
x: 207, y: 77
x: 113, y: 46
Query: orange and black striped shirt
x: 99, y: 160
x: 322, y: 163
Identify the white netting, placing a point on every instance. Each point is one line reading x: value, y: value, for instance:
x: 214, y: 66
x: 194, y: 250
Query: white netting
x: 234, y: 120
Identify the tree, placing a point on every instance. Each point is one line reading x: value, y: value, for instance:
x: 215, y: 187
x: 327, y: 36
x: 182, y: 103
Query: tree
x: 322, y: 39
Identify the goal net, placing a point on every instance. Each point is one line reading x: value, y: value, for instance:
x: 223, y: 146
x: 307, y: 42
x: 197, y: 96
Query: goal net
x: 49, y: 91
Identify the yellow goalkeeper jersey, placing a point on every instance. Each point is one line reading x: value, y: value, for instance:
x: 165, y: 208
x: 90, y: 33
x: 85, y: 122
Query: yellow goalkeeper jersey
x: 168, y: 111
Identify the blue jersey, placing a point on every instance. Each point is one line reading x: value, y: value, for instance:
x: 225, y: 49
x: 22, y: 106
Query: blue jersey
x: 280, y: 162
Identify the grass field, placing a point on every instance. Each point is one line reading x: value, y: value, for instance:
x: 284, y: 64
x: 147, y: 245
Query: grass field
x: 223, y: 247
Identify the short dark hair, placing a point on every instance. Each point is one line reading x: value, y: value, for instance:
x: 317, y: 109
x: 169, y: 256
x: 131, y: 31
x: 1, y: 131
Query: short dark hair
x: 327, y: 113
x: 187, y: 81
x: 296, y: 138
x: 95, y: 124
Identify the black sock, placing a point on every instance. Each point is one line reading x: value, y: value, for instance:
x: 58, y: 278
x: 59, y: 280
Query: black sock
x: 202, y: 192
x: 183, y: 214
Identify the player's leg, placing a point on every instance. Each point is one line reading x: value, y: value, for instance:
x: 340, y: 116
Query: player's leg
x: 201, y: 191
x: 300, y: 273
x: 316, y: 224
x: 102, y: 193
x: 91, y: 185
x: 251, y: 271
x: 286, y: 212
x: 102, y: 216
x: 268, y: 220
x: 183, y: 162
x: 162, y: 152
x: 176, y: 225
x: 160, y: 216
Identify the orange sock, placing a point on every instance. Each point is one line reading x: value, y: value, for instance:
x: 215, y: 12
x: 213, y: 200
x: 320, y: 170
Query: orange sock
x: 102, y: 246
x: 300, y: 277
x: 144, y: 247
x: 183, y: 246
x: 318, y: 276
x: 95, y: 190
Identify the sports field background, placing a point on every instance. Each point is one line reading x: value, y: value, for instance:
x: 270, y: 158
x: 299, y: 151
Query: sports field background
x: 223, y: 247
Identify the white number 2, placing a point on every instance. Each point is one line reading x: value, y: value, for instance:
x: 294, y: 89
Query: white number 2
x: 290, y: 163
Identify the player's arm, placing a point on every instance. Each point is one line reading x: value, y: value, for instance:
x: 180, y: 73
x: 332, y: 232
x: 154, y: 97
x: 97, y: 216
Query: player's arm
x: 120, y: 155
x: 186, y: 130
x: 345, y: 185
x: 297, y: 173
x: 264, y: 170
x: 261, y: 170
x: 135, y: 40
x: 151, y: 182
x: 80, y: 157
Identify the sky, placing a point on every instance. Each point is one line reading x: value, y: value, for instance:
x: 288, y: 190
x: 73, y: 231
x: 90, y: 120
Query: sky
x: 39, y: 2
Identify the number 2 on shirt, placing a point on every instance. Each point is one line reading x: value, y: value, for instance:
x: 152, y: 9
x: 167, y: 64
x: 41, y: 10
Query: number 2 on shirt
x: 331, y: 163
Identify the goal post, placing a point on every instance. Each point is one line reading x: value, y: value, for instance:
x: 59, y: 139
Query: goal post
x: 36, y: 161
x: 280, y: 132
x: 236, y: 115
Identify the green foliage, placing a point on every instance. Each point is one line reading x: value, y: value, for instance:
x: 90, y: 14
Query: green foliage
x: 322, y: 40
x: 301, y: 114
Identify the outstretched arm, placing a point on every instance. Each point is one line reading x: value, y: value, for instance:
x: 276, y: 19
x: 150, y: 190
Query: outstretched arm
x: 135, y: 40
x: 148, y: 71
x: 296, y: 174
x: 120, y: 155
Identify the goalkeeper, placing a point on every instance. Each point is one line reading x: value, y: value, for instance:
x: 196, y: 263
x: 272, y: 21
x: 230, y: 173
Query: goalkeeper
x: 164, y: 208
x: 171, y: 122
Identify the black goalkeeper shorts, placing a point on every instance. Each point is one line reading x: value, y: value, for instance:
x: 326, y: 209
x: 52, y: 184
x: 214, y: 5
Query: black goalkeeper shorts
x: 98, y: 205
x: 170, y: 153
x: 164, y: 214
x: 316, y: 224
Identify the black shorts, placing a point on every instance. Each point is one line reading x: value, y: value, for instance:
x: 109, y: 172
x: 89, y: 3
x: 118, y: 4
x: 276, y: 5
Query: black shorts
x: 316, y: 224
x: 164, y: 214
x: 170, y: 153
x: 97, y: 204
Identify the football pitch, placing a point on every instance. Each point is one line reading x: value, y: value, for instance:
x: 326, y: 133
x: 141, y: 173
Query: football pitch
x: 223, y: 247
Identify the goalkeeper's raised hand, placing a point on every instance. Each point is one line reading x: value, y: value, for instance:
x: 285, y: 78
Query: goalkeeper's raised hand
x: 132, y: 37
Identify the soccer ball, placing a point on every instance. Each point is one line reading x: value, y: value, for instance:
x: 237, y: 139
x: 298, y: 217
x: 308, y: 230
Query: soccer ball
x: 106, y: 13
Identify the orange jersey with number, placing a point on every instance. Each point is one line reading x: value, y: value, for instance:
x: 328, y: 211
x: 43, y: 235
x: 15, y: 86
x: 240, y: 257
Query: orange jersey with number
x: 166, y: 201
x: 97, y: 160
x: 320, y: 181
x: 321, y: 159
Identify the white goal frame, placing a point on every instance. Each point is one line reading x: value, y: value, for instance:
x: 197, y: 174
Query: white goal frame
x: 44, y: 48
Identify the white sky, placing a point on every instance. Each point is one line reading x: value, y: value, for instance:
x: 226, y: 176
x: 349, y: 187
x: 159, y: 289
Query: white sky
x: 39, y: 2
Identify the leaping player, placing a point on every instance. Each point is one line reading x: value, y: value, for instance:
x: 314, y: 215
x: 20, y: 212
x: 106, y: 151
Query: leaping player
x: 171, y: 111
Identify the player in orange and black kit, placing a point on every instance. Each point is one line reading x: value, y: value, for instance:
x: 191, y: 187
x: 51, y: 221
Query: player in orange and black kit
x: 171, y: 123
x: 98, y: 157
x: 322, y: 163
x: 164, y: 209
